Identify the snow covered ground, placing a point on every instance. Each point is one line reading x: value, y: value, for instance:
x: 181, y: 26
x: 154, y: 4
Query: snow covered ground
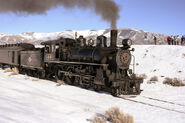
x: 160, y: 60
x: 30, y: 100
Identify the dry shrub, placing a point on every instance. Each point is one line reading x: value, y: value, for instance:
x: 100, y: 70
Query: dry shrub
x: 179, y: 71
x: 35, y: 79
x: 154, y: 70
x: 60, y: 82
x: 7, y: 70
x: 14, y: 71
x: 168, y: 81
x: 144, y: 55
x: 154, y: 79
x: 98, y: 120
x: 114, y: 115
x: 144, y: 76
x: 173, y: 82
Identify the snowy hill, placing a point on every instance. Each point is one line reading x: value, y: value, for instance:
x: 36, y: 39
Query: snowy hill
x: 161, y: 60
x: 138, y: 36
x: 30, y: 100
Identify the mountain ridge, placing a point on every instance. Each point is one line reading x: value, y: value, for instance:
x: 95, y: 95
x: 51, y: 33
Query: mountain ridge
x: 139, y: 37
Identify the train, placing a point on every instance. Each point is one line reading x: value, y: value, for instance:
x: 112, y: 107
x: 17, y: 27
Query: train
x: 79, y: 62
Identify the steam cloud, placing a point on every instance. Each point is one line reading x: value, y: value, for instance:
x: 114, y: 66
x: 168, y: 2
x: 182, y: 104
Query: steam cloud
x: 107, y: 9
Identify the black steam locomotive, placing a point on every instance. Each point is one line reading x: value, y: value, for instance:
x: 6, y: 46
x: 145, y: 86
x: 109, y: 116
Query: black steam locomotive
x: 78, y: 62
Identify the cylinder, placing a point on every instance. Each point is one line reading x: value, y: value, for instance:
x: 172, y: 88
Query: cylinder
x: 113, y: 36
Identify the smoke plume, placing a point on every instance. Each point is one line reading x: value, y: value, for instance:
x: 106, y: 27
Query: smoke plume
x: 107, y: 9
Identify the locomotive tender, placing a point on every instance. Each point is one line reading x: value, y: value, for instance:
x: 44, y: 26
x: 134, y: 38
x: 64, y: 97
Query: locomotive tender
x: 77, y: 62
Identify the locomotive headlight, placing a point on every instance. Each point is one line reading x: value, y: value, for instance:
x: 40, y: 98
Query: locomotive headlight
x: 127, y: 42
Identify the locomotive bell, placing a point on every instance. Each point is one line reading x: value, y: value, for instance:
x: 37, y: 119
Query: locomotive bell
x: 114, y: 34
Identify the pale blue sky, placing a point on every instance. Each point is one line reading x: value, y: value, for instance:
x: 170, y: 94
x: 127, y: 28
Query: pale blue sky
x: 160, y: 16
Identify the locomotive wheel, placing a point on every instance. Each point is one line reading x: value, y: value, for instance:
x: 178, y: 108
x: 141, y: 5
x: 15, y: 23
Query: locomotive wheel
x: 76, y: 81
x: 29, y: 72
x: 36, y: 74
x: 85, y: 82
x: 58, y: 75
x: 42, y: 74
x: 114, y: 92
x: 50, y: 76
x: 97, y: 87
x: 61, y: 76
x: 69, y: 80
x: 85, y: 86
x: 21, y: 71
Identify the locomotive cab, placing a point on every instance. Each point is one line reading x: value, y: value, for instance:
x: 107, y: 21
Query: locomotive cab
x: 51, y: 51
x: 56, y: 50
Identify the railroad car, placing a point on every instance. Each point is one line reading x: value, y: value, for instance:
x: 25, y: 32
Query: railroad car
x: 10, y: 53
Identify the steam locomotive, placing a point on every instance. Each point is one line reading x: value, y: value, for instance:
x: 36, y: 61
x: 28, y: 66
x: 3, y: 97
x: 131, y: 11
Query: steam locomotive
x: 78, y: 62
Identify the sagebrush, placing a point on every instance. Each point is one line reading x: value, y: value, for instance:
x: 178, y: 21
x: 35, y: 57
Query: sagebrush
x: 60, y: 82
x: 144, y: 76
x: 14, y: 71
x: 154, y: 78
x: 7, y: 70
x: 114, y: 115
x: 173, y: 82
x: 98, y: 119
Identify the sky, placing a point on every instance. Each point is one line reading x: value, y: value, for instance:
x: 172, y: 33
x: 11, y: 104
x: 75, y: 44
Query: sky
x: 159, y: 16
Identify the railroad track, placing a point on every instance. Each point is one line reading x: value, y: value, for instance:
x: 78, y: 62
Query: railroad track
x: 171, y: 105
x: 163, y: 101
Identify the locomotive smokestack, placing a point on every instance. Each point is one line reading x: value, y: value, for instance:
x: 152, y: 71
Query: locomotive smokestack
x: 114, y: 33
